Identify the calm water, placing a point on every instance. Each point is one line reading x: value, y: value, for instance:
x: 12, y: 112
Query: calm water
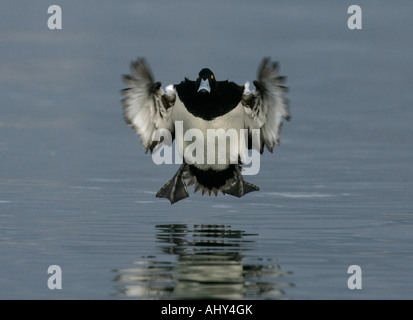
x: 77, y: 190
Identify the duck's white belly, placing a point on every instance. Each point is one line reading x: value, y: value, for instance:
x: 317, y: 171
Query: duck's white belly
x: 209, y: 144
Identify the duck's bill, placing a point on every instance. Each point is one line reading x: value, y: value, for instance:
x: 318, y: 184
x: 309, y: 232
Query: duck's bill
x: 204, y: 86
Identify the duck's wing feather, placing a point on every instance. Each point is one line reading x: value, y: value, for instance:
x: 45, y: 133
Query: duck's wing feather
x: 266, y: 106
x: 146, y: 107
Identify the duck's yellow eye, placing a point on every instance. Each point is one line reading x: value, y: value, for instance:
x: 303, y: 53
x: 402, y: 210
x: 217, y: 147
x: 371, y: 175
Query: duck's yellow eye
x: 212, y: 76
x: 198, y: 76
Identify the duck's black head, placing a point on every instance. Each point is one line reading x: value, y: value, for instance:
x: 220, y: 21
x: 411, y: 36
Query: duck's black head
x: 208, y: 98
x: 205, y: 81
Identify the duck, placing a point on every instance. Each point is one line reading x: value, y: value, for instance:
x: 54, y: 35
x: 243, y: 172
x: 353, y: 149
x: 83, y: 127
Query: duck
x: 206, y: 104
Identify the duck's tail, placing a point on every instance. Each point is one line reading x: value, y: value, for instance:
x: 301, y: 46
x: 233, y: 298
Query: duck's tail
x: 227, y: 181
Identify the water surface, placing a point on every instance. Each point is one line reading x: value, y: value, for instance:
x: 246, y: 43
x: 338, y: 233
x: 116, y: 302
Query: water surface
x: 77, y: 190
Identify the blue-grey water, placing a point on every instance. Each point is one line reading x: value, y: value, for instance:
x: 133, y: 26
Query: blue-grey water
x: 77, y: 190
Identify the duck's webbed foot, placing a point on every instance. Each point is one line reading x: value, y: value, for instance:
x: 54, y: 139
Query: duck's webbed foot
x: 175, y: 189
x: 239, y: 187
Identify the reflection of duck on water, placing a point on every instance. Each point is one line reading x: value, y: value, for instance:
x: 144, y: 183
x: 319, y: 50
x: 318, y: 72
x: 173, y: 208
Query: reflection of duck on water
x: 210, y: 264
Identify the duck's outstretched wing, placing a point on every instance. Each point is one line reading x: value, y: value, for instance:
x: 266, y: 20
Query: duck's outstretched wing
x: 266, y: 106
x: 147, y: 107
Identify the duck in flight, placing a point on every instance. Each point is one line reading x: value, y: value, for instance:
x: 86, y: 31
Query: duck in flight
x: 205, y: 104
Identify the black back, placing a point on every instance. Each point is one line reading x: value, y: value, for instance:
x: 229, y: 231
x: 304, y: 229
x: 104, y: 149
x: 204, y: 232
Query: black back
x: 224, y: 97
